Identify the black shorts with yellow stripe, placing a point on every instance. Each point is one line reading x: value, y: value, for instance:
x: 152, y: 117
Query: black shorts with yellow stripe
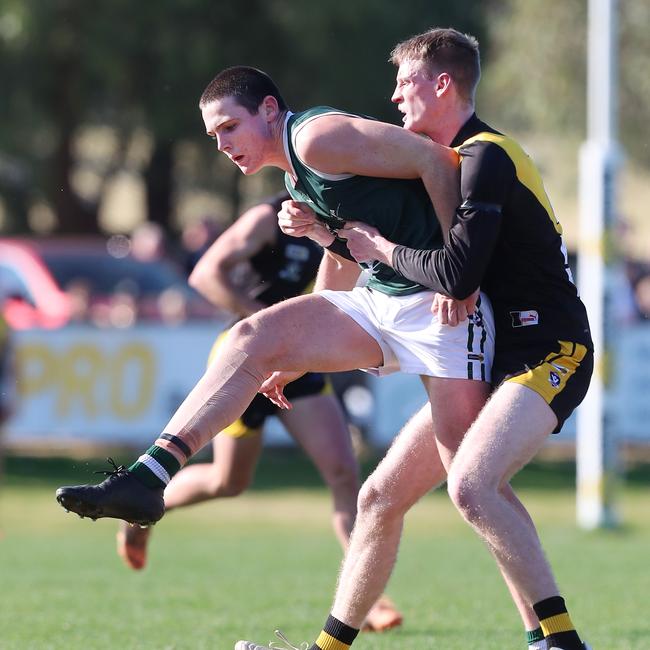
x: 560, y: 372
x: 253, y: 418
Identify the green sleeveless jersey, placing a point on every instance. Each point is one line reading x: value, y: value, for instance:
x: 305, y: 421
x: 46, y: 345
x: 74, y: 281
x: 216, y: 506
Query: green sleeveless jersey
x: 400, y: 209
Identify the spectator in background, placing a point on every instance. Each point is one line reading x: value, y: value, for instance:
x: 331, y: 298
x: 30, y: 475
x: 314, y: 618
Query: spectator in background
x: 196, y: 238
x: 172, y: 306
x: 78, y: 291
x: 148, y: 242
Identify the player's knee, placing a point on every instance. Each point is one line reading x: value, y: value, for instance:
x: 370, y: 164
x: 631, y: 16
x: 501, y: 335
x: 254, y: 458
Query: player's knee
x: 257, y: 337
x: 466, y: 493
x: 342, y: 475
x: 229, y: 486
x: 376, y: 504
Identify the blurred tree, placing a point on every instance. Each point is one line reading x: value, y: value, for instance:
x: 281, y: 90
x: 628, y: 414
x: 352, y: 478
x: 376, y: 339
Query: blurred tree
x: 634, y: 108
x: 537, y: 65
x: 51, y: 67
x: 536, y: 75
x: 70, y: 65
x: 140, y: 67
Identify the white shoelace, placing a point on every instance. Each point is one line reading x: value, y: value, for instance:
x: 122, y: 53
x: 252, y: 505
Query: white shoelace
x: 287, y: 645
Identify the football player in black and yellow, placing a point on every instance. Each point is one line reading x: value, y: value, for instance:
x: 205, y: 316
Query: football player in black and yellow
x: 506, y: 239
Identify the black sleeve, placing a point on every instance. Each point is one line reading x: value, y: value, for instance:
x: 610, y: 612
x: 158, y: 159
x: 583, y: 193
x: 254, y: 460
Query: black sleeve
x: 486, y: 177
x: 340, y: 247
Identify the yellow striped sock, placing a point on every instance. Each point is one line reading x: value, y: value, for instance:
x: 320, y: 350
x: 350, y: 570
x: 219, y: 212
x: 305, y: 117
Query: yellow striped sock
x: 326, y: 641
x: 556, y: 624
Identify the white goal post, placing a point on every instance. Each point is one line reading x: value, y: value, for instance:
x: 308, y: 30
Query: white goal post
x: 596, y: 451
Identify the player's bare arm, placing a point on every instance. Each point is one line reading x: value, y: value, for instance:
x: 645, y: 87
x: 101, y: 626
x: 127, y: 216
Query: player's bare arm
x: 342, y: 144
x: 336, y: 273
x: 212, y: 276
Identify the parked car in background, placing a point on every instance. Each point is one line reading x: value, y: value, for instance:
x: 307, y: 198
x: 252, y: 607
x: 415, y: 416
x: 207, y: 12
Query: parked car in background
x: 50, y: 282
x: 29, y: 295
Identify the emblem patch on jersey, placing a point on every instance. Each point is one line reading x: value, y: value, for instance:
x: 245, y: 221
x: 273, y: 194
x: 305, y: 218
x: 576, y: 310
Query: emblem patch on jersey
x: 554, y: 379
x: 291, y: 272
x: 524, y: 318
x: 334, y: 221
x: 561, y: 369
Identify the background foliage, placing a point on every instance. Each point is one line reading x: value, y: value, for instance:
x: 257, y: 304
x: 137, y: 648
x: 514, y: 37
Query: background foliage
x: 132, y: 72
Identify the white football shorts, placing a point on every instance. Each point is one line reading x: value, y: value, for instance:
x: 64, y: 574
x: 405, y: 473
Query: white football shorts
x: 413, y: 341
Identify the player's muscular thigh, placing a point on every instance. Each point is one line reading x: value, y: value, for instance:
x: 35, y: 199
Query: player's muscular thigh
x: 307, y: 333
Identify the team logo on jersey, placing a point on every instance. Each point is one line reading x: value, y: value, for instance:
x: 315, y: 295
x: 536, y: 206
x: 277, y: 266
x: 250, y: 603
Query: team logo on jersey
x: 334, y: 221
x: 290, y: 272
x: 554, y: 379
x: 561, y: 369
x: 524, y: 318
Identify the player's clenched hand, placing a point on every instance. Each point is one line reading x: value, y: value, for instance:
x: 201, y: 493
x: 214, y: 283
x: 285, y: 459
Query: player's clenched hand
x: 452, y: 312
x: 299, y: 220
x: 273, y: 387
x: 366, y: 244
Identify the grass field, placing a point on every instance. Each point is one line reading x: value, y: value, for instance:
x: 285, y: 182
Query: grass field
x: 240, y: 568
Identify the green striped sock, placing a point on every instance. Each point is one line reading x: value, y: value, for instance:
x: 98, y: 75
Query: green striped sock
x: 535, y: 639
x: 155, y: 468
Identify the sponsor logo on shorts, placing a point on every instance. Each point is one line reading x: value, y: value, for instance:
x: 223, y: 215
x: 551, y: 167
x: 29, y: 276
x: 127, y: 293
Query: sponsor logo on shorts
x: 524, y: 318
x: 554, y: 379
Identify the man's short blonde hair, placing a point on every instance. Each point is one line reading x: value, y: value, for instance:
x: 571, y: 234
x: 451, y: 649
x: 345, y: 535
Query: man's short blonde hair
x: 444, y: 50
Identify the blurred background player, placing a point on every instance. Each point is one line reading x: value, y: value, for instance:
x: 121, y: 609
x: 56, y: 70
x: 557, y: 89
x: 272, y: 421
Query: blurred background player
x: 252, y: 265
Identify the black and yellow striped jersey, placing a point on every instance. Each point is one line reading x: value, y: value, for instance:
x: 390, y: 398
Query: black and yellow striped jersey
x: 505, y: 239
x: 287, y: 267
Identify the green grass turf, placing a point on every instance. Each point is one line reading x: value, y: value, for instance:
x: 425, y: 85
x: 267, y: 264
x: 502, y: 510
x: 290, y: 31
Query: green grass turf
x: 240, y: 568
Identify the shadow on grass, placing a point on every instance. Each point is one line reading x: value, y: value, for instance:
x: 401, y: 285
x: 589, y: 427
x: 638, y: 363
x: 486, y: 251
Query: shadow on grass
x: 278, y: 469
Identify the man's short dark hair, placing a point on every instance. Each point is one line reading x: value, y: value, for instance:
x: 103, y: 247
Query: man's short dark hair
x: 248, y: 86
x: 444, y: 50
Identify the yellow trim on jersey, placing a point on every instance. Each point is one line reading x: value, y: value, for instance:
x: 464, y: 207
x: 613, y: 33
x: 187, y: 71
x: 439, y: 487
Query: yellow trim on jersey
x: 525, y: 169
x: 326, y: 641
x: 556, y: 624
x: 549, y: 378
